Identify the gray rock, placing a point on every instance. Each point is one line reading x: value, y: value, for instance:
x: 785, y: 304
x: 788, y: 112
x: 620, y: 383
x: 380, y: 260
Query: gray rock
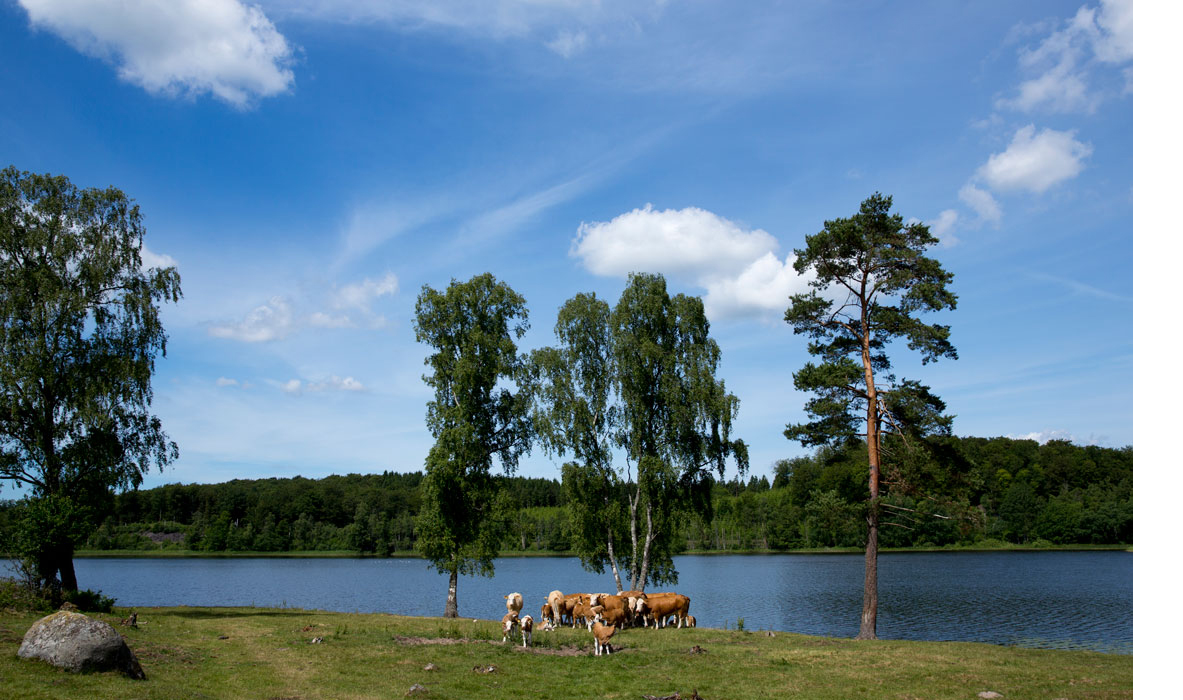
x: 989, y: 695
x: 78, y: 643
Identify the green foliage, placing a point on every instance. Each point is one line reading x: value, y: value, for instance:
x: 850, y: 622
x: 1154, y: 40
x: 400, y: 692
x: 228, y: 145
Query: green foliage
x: 639, y: 378
x: 474, y: 417
x: 90, y: 601
x: 980, y: 510
x: 80, y: 330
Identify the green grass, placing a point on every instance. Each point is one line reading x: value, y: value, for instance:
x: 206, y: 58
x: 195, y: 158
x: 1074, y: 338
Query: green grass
x: 266, y: 653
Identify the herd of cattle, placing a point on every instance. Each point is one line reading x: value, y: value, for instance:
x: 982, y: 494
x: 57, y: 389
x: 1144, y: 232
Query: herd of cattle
x: 601, y: 613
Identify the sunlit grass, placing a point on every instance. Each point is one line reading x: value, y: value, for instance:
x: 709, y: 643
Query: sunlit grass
x: 268, y: 653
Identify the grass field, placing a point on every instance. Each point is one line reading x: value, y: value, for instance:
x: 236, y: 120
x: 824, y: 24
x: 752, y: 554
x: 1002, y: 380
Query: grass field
x: 269, y: 653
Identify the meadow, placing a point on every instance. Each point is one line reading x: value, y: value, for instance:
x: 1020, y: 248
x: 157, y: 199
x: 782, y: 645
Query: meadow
x: 284, y: 653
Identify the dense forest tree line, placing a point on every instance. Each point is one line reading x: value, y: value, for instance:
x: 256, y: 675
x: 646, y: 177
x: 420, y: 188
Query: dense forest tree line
x: 1012, y: 491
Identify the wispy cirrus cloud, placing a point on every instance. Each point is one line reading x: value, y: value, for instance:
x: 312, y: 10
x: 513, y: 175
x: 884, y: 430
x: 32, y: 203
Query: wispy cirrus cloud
x: 177, y: 47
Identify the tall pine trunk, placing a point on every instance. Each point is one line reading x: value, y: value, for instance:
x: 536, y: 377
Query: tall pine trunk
x: 868, y: 623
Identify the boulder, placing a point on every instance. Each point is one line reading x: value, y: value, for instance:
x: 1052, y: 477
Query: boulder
x: 79, y: 643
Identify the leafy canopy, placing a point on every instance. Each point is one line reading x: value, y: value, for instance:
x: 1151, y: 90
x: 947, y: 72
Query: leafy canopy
x: 475, y: 416
x: 80, y: 330
x: 871, y: 279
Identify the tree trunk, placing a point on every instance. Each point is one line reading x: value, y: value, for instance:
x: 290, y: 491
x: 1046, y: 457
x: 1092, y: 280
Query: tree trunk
x: 612, y: 561
x: 66, y: 569
x: 451, y: 610
x: 633, y: 570
x: 649, y: 537
x: 867, y: 626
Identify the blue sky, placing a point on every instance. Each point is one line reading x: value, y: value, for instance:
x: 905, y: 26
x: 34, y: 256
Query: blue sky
x: 310, y: 165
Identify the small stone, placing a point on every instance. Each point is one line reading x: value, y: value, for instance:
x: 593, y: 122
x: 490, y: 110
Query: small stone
x: 417, y: 690
x: 430, y: 667
x: 772, y: 634
x: 989, y: 695
x: 317, y: 640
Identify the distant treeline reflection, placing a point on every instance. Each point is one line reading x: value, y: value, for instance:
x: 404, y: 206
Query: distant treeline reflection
x: 981, y: 490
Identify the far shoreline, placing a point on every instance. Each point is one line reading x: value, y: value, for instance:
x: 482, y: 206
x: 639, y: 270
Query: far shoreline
x: 176, y: 553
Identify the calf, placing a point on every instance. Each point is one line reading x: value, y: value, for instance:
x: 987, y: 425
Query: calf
x: 527, y: 627
x: 690, y: 621
x: 602, y: 633
x: 508, y: 623
x: 547, y: 617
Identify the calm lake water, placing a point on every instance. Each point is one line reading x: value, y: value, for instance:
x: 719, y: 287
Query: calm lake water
x: 1068, y: 600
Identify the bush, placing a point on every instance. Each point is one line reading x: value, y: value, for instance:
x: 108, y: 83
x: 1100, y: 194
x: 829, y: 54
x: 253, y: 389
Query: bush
x: 16, y: 596
x: 90, y: 601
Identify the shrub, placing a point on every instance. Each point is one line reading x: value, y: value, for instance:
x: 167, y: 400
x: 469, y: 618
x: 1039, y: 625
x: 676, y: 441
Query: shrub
x: 90, y: 601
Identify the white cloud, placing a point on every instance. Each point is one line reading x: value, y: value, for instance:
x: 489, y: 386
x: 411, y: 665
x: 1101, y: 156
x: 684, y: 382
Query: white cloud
x: 276, y: 320
x: 739, y: 269
x: 1071, y: 60
x: 981, y: 201
x: 149, y: 259
x: 296, y: 387
x: 762, y: 289
x: 568, y: 43
x: 226, y: 381
x: 942, y: 226
x: 176, y: 47
x: 271, y: 321
x: 1114, y: 42
x: 335, y: 383
x: 689, y: 242
x: 363, y: 294
x: 1036, y: 161
x: 1045, y: 436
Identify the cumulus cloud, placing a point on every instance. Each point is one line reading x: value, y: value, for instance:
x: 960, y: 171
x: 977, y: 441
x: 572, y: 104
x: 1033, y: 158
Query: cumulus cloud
x: 277, y: 319
x: 270, y: 321
x: 761, y: 290
x: 176, y: 47
x: 1036, y: 161
x: 942, y: 227
x: 149, y: 259
x: 981, y: 201
x: 1068, y: 63
x: 296, y: 387
x: 226, y: 381
x: 689, y: 242
x: 362, y: 294
x: 739, y: 269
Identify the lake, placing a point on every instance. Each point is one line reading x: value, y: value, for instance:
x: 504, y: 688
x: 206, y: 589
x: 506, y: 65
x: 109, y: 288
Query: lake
x: 1064, y: 600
